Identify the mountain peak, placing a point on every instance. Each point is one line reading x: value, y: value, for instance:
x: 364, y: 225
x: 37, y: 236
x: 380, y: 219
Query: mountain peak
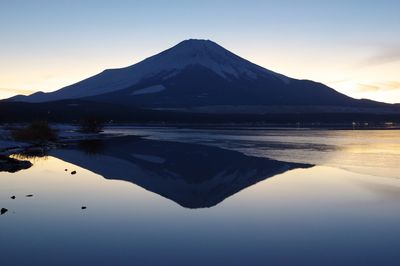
x: 197, y: 44
x: 211, y: 55
x: 197, y: 41
x: 198, y: 48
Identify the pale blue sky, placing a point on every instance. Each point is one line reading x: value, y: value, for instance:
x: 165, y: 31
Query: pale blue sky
x: 353, y: 46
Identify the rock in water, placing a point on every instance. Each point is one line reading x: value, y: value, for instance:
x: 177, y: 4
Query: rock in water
x: 29, y: 196
x: 11, y: 165
x: 3, y: 211
x: 12, y: 197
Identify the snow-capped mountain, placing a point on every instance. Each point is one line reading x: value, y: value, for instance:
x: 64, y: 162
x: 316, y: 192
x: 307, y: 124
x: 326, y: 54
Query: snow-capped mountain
x: 197, y: 74
x: 166, y: 64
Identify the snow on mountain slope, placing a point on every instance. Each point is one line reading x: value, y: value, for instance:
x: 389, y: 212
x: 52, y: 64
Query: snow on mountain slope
x: 168, y: 63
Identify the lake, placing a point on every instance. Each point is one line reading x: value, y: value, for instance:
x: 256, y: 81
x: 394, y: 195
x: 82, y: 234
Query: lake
x: 187, y: 196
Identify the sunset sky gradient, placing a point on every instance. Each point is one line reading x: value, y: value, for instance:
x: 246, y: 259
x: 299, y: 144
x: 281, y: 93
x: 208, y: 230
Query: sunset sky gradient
x: 352, y: 46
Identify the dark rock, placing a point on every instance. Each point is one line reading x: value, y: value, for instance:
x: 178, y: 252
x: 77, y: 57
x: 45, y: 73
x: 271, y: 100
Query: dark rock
x: 83, y: 207
x: 73, y: 172
x: 66, y: 170
x: 12, y: 165
x: 12, y: 197
x: 29, y: 196
x: 3, y: 211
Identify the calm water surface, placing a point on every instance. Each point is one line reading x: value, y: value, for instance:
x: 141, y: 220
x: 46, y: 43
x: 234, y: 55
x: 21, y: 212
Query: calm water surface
x: 208, y: 197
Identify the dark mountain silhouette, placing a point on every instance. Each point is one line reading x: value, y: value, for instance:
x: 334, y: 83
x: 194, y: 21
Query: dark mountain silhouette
x: 194, y: 176
x: 196, y: 82
x: 200, y: 75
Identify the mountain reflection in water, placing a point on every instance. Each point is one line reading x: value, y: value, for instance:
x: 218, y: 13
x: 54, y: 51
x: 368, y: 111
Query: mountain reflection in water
x: 192, y: 175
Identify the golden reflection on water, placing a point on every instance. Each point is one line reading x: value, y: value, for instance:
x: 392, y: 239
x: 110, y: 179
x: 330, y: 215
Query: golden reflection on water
x: 373, y: 152
x: 374, y: 148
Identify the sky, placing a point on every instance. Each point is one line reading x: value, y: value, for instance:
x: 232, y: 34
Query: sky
x: 352, y: 46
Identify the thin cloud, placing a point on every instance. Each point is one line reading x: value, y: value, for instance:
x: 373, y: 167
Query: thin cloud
x: 367, y: 87
x: 339, y: 81
x: 379, y: 86
x: 384, y: 56
x: 393, y: 85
